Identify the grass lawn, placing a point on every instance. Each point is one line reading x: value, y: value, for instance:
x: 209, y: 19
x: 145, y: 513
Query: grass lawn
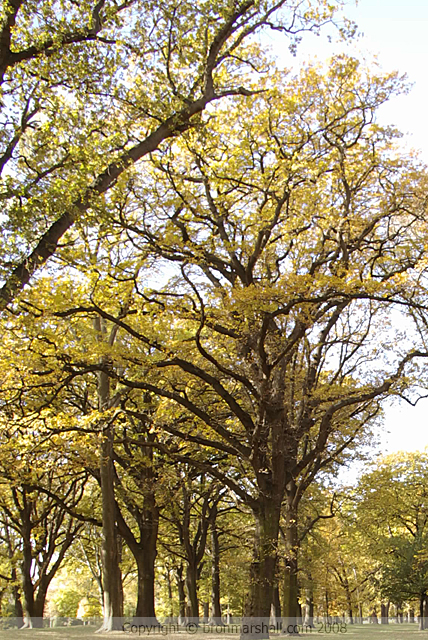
x: 355, y: 632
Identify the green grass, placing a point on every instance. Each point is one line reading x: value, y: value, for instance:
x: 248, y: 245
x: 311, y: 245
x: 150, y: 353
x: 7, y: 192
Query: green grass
x: 354, y: 632
x: 378, y: 632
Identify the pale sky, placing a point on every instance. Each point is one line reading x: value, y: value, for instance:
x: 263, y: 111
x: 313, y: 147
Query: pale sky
x: 396, y: 32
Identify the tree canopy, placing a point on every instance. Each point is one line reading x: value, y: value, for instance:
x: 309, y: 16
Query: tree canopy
x: 88, y: 89
x: 232, y: 244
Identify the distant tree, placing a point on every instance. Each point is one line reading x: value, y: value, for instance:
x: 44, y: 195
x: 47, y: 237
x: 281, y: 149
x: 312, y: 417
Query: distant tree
x: 393, y: 514
x: 42, y: 528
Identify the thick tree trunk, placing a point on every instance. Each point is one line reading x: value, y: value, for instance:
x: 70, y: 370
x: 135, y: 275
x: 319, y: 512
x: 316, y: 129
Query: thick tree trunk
x: 146, y: 586
x: 215, y: 577
x: 383, y: 614
x: 192, y: 591
x: 262, y: 572
x: 34, y: 608
x: 145, y: 553
x: 110, y: 557
x: 290, y: 609
x: 39, y: 606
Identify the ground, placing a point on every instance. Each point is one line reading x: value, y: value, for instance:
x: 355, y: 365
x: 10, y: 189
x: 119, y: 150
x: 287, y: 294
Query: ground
x: 364, y: 632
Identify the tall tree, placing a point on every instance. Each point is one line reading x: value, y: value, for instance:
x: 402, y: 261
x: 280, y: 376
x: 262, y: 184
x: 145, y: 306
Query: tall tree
x: 138, y: 476
x: 292, y: 249
x: 112, y: 579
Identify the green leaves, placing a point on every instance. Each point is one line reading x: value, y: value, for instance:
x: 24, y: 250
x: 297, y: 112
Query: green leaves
x: 392, y: 511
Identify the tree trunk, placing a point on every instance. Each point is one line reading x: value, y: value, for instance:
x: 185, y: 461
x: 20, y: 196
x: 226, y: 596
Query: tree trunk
x: 26, y: 567
x: 144, y: 549
x: 99, y: 582
x: 33, y: 569
x: 383, y: 614
x: 215, y: 577
x: 145, y: 609
x: 290, y: 610
x: 255, y: 623
x: 33, y: 616
x: 110, y: 557
x: 349, y: 604
x: 192, y: 591
x: 112, y: 596
x: 35, y: 599
x: 206, y: 610
x: 421, y: 612
x: 39, y: 605
x: 181, y: 596
x: 309, y: 618
x: 327, y: 607
x: 276, y: 606
x: 112, y: 578
x: 299, y: 607
x: 110, y: 560
x: 399, y: 613
x: 18, y: 610
x: 170, y: 600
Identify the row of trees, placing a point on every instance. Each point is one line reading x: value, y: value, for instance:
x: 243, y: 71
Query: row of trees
x: 361, y: 549
x: 235, y: 252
